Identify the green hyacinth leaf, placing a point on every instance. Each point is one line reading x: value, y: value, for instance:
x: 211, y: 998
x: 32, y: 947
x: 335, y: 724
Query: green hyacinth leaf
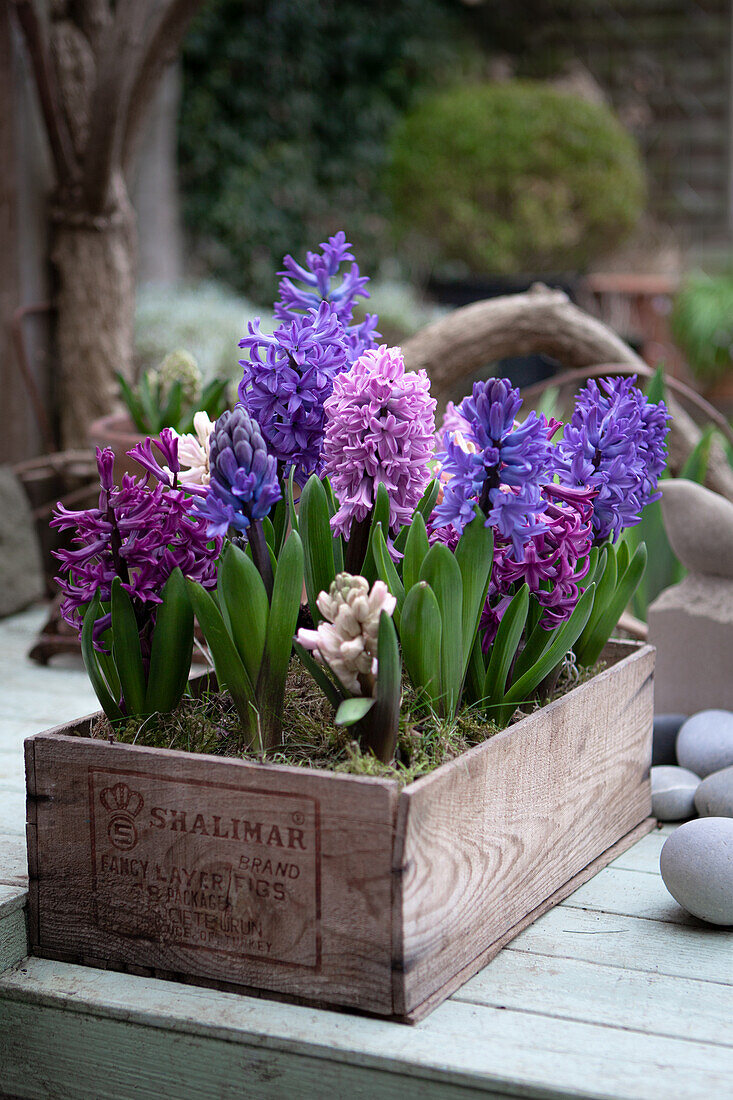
x: 421, y: 630
x: 380, y: 515
x: 387, y: 571
x: 172, y: 647
x: 126, y: 650
x: 379, y: 730
x: 442, y: 572
x: 107, y: 701
x: 416, y: 548
x: 508, y: 637
x: 606, y: 623
x: 474, y: 554
x: 281, y: 625
x: 315, y: 531
x: 230, y: 670
x: 353, y: 710
x: 564, y: 638
x: 323, y: 676
x: 245, y: 609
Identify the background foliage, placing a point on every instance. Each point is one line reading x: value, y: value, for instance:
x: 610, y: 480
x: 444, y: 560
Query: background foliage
x: 287, y: 106
x: 514, y: 177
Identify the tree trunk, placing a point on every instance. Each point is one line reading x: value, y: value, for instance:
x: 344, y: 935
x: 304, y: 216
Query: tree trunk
x: 95, y: 263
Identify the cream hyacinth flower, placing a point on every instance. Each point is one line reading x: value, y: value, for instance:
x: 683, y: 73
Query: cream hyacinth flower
x: 193, y: 451
x: 347, y: 640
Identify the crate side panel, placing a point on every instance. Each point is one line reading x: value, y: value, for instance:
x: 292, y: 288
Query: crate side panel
x: 275, y: 878
x: 491, y: 836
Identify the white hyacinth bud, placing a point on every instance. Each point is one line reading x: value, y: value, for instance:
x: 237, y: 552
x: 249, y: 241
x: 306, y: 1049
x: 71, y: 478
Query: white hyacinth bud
x: 347, y: 640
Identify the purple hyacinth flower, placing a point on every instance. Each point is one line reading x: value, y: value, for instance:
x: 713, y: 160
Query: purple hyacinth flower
x: 286, y: 381
x: 305, y: 288
x: 615, y: 443
x: 244, y: 483
x: 496, y: 463
x: 380, y: 427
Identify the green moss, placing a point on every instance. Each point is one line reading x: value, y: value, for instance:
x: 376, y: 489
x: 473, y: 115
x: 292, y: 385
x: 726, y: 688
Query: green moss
x: 210, y: 724
x: 515, y: 177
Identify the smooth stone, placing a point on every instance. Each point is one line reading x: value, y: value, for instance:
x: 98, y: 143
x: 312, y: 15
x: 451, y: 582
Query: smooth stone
x: 714, y: 796
x: 699, y: 525
x: 705, y: 742
x: 673, y: 792
x: 666, y: 728
x: 696, y: 863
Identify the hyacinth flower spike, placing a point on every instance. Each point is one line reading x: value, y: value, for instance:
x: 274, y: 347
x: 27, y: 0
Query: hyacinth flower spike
x: 354, y: 657
x: 123, y: 582
x: 380, y: 427
x: 243, y: 486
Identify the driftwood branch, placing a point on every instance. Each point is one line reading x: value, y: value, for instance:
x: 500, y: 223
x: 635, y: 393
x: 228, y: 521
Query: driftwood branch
x: 543, y: 320
x: 160, y: 50
x: 59, y: 137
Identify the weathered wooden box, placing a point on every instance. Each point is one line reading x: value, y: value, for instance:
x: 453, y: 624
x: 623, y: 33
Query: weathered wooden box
x: 334, y: 889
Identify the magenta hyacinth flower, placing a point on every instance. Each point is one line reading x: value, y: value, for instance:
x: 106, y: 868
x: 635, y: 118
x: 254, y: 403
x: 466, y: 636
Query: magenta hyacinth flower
x: 139, y: 533
x: 380, y: 427
x: 553, y: 562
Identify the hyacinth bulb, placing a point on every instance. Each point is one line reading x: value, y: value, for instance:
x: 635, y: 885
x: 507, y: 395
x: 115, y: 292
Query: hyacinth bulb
x: 347, y: 639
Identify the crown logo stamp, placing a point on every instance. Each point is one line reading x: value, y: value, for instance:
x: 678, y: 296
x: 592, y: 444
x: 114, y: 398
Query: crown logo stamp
x: 123, y: 806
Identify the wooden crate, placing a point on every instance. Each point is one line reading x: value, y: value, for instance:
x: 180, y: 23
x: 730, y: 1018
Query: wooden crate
x: 333, y: 889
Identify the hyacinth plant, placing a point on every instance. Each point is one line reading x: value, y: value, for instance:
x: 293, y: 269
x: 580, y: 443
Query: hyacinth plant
x: 123, y: 582
x: 168, y: 395
x: 476, y: 566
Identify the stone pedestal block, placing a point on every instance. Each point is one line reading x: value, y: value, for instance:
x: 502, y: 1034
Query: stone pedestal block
x: 691, y: 624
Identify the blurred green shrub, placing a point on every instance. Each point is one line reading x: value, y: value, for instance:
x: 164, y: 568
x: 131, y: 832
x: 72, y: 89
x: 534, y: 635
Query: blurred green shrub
x: 702, y: 324
x: 514, y: 177
x: 205, y: 318
x: 286, y: 110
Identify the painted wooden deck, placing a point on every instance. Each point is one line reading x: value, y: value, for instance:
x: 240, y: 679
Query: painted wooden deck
x: 615, y: 993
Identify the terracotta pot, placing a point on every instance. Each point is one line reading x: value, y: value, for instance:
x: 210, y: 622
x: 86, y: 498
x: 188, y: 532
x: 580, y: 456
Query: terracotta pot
x: 118, y: 432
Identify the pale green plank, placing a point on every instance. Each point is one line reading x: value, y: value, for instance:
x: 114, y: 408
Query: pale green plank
x: 578, y: 990
x: 13, y: 860
x: 632, y: 893
x: 74, y: 1011
x: 62, y: 1054
x: 13, y: 938
x: 644, y: 855
x: 11, y: 898
x: 630, y: 943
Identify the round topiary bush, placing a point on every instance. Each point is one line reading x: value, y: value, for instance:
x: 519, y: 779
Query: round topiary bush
x: 515, y: 177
